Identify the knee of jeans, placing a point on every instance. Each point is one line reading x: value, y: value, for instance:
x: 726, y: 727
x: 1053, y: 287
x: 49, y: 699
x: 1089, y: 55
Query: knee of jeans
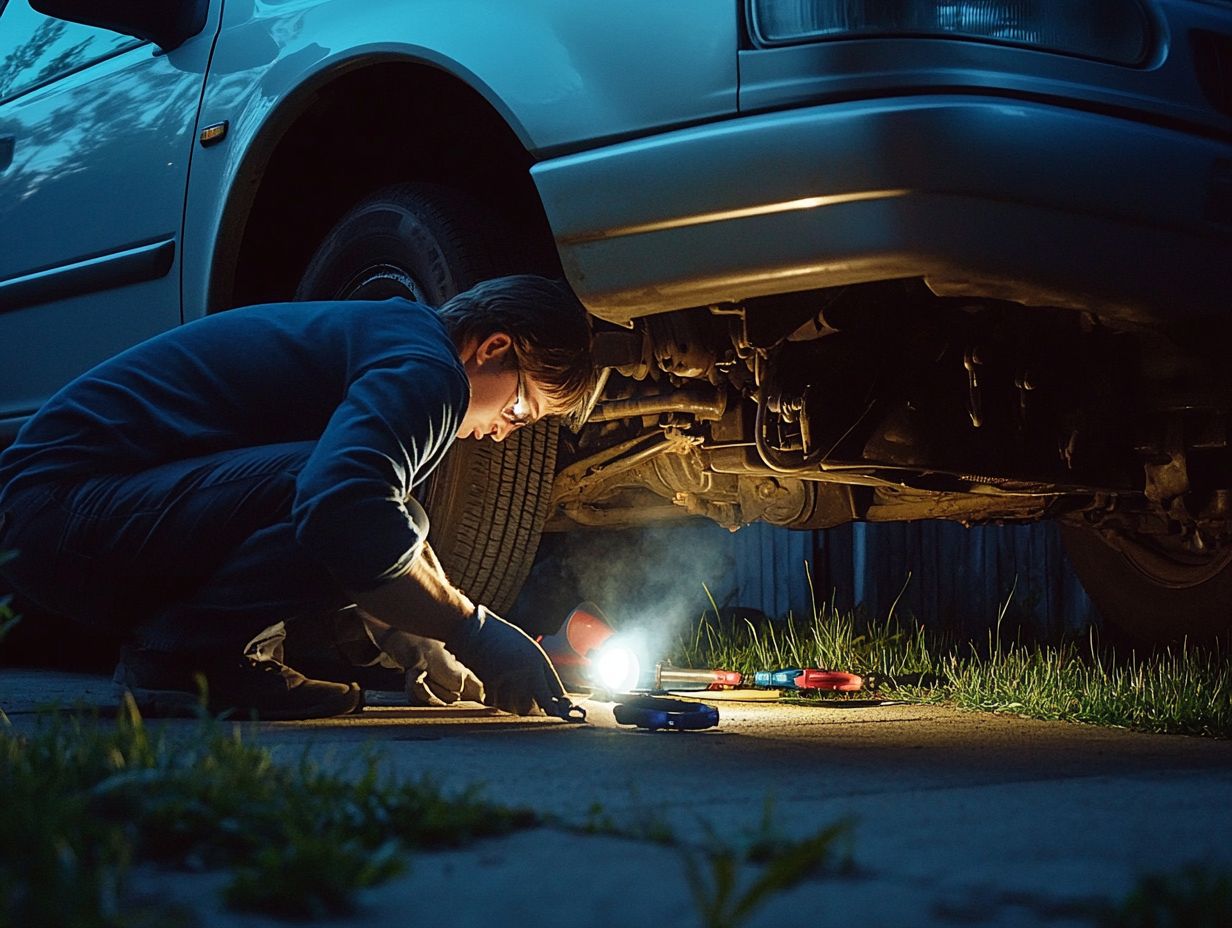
x: 30, y: 542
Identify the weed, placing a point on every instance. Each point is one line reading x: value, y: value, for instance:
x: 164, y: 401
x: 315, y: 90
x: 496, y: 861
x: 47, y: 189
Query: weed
x: 642, y: 823
x: 83, y: 802
x: 769, y: 841
x: 313, y: 877
x: 829, y: 639
x: 7, y: 617
x: 1182, y: 690
x: 715, y: 879
x: 1194, y: 897
x: 598, y: 821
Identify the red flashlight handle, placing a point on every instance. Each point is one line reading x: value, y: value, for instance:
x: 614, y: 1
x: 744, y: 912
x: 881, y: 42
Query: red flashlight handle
x: 814, y: 679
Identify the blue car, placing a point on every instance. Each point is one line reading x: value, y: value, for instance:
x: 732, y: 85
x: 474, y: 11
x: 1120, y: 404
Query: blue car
x: 847, y: 259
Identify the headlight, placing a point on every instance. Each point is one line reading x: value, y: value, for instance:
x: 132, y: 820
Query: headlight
x: 1108, y: 30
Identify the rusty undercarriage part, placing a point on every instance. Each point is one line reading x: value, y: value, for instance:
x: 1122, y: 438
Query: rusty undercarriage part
x: 887, y: 402
x: 704, y: 405
x: 650, y: 479
x: 904, y: 504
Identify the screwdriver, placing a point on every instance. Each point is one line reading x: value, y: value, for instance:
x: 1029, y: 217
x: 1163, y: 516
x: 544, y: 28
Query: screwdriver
x: 809, y: 678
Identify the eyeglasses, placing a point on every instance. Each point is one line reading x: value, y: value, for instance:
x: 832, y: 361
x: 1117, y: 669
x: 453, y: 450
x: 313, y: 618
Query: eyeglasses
x: 519, y: 413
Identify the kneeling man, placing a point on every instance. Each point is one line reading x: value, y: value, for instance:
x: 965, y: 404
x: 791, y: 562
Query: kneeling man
x: 259, y: 464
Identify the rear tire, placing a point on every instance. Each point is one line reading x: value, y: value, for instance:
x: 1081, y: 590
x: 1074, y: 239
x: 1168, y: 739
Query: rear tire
x: 487, y: 502
x: 1149, y: 595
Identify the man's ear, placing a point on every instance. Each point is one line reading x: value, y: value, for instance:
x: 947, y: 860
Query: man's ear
x: 493, y: 348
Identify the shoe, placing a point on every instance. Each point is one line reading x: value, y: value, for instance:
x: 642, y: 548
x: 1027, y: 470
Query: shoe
x: 165, y: 684
x: 336, y: 646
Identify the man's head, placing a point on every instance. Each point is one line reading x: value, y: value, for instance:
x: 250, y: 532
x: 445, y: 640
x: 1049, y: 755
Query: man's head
x: 525, y: 344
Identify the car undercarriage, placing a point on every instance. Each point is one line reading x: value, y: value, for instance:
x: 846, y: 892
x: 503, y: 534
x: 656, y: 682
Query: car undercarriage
x: 887, y: 402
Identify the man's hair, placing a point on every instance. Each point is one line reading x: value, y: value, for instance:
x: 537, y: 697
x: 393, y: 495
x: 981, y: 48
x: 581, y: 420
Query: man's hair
x: 548, y: 326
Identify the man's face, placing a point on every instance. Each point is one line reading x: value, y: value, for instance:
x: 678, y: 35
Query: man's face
x: 502, y: 399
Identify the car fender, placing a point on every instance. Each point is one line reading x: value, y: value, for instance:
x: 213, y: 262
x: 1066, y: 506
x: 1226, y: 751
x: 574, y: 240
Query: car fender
x: 562, y: 75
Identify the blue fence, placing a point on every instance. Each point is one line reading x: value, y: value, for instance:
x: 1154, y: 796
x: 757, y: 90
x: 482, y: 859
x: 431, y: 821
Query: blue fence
x: 939, y: 572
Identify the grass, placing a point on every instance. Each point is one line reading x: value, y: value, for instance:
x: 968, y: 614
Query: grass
x: 84, y: 802
x: 1192, y: 897
x: 1185, y: 691
x: 725, y: 889
x: 646, y: 822
x: 7, y: 617
x: 1179, y: 691
x: 726, y: 894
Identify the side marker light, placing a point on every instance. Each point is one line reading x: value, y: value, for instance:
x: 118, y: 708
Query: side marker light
x: 212, y: 135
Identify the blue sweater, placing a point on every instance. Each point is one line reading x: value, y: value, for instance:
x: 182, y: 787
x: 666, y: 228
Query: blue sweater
x: 378, y: 387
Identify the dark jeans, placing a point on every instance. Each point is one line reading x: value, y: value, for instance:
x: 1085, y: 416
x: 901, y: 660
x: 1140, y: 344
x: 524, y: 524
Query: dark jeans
x: 196, y: 556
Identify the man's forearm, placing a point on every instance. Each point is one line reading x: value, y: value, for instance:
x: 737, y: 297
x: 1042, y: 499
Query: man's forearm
x: 422, y: 601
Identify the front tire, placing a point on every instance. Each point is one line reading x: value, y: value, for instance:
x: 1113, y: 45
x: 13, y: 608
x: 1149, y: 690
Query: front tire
x: 1150, y: 592
x: 487, y: 502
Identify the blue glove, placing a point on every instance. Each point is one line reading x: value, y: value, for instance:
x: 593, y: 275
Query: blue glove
x: 517, y: 675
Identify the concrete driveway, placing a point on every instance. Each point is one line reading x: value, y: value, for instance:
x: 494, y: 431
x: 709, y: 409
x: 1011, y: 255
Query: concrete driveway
x: 958, y: 818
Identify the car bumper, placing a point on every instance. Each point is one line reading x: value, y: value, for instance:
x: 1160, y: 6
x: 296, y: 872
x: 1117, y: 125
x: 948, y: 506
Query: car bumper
x: 978, y: 195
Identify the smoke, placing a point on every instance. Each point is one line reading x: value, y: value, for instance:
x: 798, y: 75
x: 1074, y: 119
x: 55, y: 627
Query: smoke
x: 652, y: 580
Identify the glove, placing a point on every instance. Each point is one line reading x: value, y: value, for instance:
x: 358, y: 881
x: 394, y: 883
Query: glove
x: 434, y: 677
x: 517, y: 676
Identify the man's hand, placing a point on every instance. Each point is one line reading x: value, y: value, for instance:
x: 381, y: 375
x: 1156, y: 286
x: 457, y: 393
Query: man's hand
x: 517, y: 676
x: 434, y: 677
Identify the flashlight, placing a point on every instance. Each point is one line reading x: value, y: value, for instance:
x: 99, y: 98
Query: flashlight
x: 616, y: 666
x: 587, y: 652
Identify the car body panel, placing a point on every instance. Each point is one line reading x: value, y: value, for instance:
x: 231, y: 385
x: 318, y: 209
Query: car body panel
x: 864, y: 159
x: 1167, y: 89
x: 561, y: 73
x: 960, y: 188
x: 91, y: 209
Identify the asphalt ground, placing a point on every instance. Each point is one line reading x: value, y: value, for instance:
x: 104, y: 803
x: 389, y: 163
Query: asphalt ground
x: 958, y: 818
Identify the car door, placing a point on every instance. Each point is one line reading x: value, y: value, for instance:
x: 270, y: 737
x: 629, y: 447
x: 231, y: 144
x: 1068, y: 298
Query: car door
x: 96, y: 132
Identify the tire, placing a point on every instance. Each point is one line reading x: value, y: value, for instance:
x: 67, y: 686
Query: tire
x: 1148, y: 595
x: 487, y: 502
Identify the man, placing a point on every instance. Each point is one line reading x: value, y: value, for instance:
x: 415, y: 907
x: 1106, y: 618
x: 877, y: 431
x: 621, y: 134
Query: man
x: 258, y: 464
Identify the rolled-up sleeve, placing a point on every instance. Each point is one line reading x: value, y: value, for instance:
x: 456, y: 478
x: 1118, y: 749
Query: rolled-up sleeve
x: 353, y: 510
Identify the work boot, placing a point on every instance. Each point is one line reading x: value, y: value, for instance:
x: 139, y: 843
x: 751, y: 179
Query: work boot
x: 165, y: 684
x: 335, y: 645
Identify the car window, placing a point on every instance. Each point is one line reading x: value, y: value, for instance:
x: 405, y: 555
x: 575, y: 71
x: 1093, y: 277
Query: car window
x: 36, y: 49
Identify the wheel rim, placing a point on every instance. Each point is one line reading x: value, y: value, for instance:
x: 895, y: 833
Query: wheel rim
x: 1170, y: 565
x: 380, y: 282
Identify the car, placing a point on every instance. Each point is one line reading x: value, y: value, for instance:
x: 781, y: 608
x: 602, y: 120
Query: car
x: 918, y: 259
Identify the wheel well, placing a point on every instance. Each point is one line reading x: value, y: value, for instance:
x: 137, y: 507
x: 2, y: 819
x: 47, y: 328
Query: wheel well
x: 368, y: 128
